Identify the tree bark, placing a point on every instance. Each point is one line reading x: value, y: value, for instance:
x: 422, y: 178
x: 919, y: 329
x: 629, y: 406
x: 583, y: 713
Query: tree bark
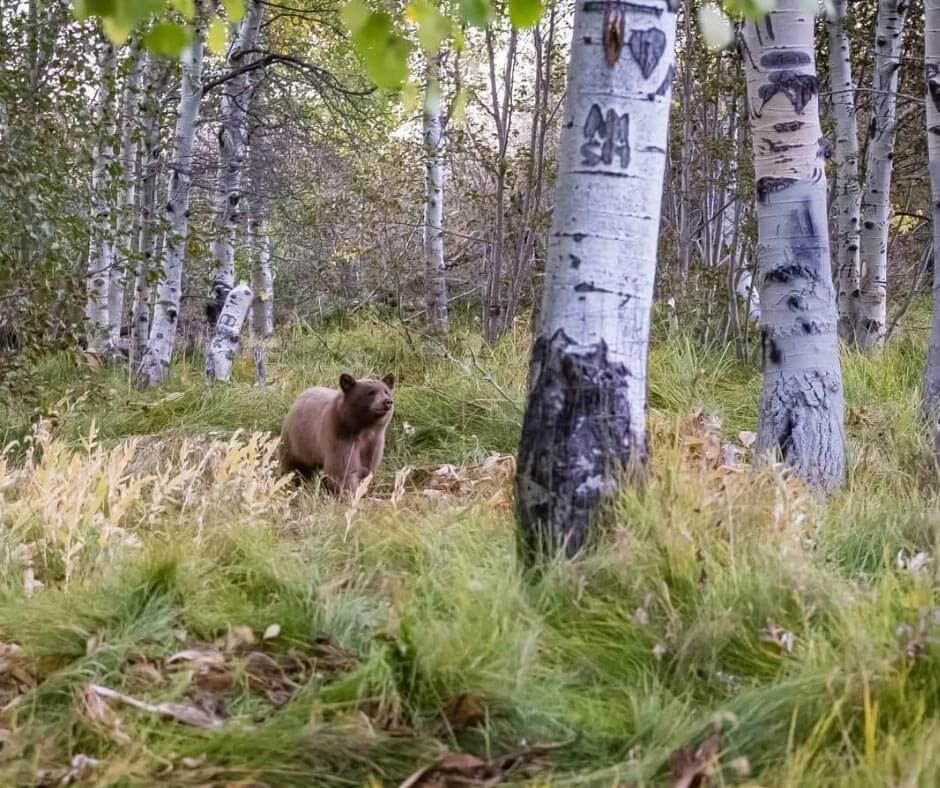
x: 100, y: 248
x: 585, y: 419
x: 801, y: 410
x: 847, y: 187
x: 224, y: 345
x: 158, y: 75
x: 236, y: 98
x: 932, y: 70
x: 876, y: 197
x: 155, y: 365
x: 434, y: 198
x: 127, y: 213
x: 262, y: 280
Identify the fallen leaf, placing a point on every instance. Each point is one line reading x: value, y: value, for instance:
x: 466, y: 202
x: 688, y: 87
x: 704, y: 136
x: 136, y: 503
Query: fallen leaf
x: 778, y: 636
x: 188, y: 715
x: 691, y: 770
x: 98, y: 711
x: 271, y: 632
x: 193, y: 763
x: 747, y: 439
x: 465, y: 710
x: 398, y: 491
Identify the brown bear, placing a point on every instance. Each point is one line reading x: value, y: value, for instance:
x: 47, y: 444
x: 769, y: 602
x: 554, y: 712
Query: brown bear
x: 340, y: 434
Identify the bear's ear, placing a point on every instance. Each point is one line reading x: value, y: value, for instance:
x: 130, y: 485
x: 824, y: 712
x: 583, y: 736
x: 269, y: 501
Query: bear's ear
x: 389, y: 380
x: 347, y: 382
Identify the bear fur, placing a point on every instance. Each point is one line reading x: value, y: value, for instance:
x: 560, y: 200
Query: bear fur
x: 339, y: 433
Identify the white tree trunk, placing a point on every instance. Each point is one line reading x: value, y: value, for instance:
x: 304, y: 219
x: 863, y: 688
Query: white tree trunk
x: 127, y: 195
x: 876, y: 197
x: 224, y: 346
x: 262, y: 279
x: 236, y: 98
x: 585, y: 419
x: 434, y: 199
x: 932, y: 67
x: 748, y: 294
x: 158, y: 75
x: 847, y: 188
x: 801, y: 408
x: 100, y: 248
x: 155, y: 365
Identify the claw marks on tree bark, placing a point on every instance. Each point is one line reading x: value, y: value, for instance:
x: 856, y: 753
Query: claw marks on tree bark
x: 578, y: 410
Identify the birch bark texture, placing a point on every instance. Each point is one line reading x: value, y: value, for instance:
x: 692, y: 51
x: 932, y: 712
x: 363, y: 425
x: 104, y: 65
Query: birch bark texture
x: 801, y: 410
x: 876, y: 196
x: 262, y: 278
x: 155, y: 365
x: 236, y: 98
x: 224, y: 345
x: 585, y: 421
x: 156, y: 80
x: 97, y: 281
x: 434, y: 198
x: 932, y: 73
x: 846, y: 203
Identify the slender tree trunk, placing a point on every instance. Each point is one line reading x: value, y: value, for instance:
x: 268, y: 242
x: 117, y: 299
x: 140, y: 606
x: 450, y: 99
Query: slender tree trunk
x: 434, y: 198
x: 100, y: 251
x: 262, y: 280
x: 847, y: 188
x: 224, y: 345
x: 932, y: 69
x: 876, y: 197
x: 585, y: 419
x: 801, y: 408
x: 155, y: 365
x: 158, y: 75
x: 127, y: 194
x: 236, y: 98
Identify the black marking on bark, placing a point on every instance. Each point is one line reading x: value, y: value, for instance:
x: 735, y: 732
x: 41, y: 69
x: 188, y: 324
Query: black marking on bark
x: 856, y: 293
x: 647, y: 47
x: 790, y: 271
x: 825, y: 150
x: 795, y: 303
x: 576, y: 443
x: 590, y: 287
x: 613, y: 131
x: 768, y: 185
x: 933, y: 87
x: 603, y: 5
x: 588, y: 40
x: 605, y: 173
x: 613, y: 34
x: 872, y: 127
x: 868, y: 225
x: 575, y: 261
x: 171, y: 315
x: 784, y: 59
x: 666, y: 84
x: 789, y: 126
x: 778, y: 147
x: 785, y: 441
x: 799, y: 89
x: 774, y: 353
x: 770, y: 27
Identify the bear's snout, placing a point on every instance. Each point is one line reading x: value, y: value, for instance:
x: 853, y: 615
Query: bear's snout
x: 387, y: 404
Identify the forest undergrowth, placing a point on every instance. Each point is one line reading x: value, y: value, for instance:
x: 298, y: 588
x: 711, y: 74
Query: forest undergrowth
x: 172, y: 612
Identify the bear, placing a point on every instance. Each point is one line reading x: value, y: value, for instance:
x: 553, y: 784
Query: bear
x: 339, y: 434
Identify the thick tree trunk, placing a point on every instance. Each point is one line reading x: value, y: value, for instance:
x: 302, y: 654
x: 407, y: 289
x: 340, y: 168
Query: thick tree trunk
x: 100, y: 248
x: 876, y: 197
x: 262, y: 280
x: 127, y: 213
x: 585, y: 420
x: 158, y: 75
x: 224, y: 345
x: 801, y: 408
x: 434, y: 199
x: 155, y: 365
x: 236, y: 98
x: 847, y: 188
x: 932, y: 68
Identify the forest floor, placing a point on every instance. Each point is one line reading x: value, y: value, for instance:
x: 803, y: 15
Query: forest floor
x: 172, y: 613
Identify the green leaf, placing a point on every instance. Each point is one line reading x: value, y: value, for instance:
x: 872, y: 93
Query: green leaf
x: 433, y: 27
x: 217, y: 37
x: 166, y: 38
x: 132, y: 12
x: 384, y: 52
x: 716, y: 29
x: 410, y: 96
x: 234, y: 10
x: 459, y: 40
x: 186, y: 7
x: 476, y: 12
x: 459, y: 108
x: 355, y: 14
x: 525, y: 13
x: 86, y: 8
x: 117, y: 32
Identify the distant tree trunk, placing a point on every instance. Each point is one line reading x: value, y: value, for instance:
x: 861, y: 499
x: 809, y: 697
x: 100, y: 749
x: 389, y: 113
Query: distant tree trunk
x: 224, y: 345
x: 847, y: 188
x: 100, y: 251
x: 585, y: 419
x: 262, y: 280
x: 932, y: 68
x: 876, y: 197
x: 127, y: 212
x: 801, y: 408
x: 155, y: 365
x: 434, y: 198
x: 158, y: 75
x: 236, y: 98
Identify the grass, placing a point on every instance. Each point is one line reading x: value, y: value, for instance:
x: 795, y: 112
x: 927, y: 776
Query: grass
x: 147, y: 546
